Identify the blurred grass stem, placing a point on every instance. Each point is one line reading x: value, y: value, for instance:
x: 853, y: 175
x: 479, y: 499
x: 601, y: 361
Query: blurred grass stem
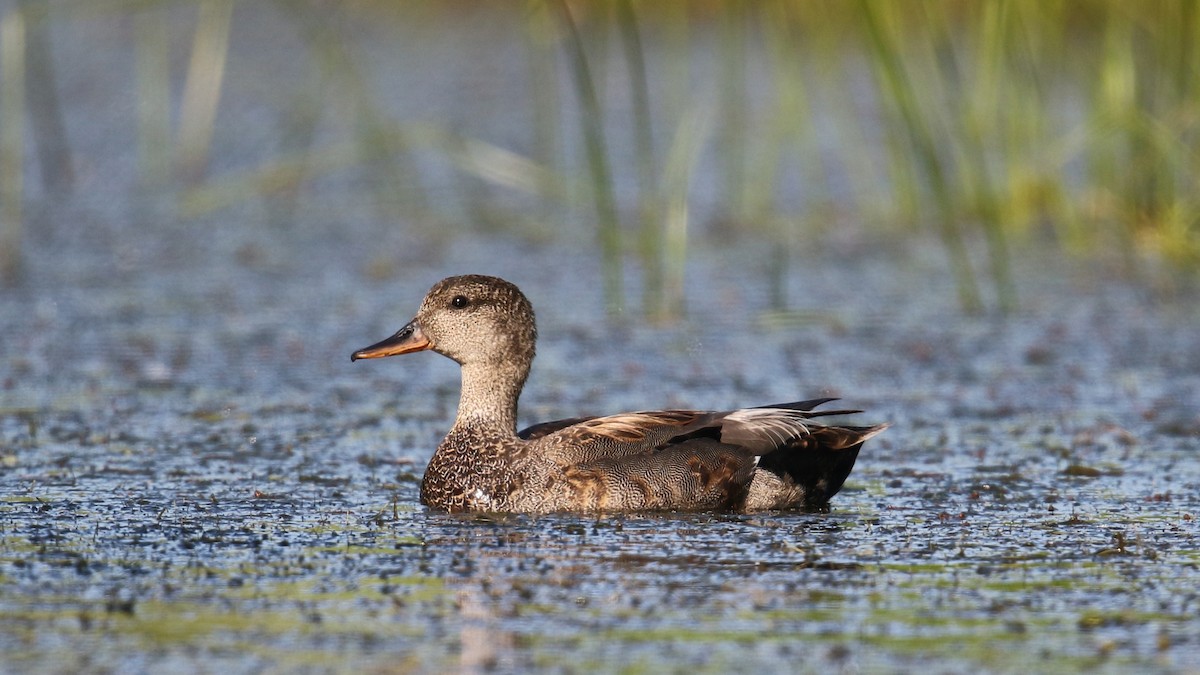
x: 12, y: 143
x: 650, y: 243
x: 151, y: 39
x: 689, y: 140
x: 202, y: 90
x: 49, y: 131
x: 592, y: 121
x: 895, y: 83
x: 543, y: 78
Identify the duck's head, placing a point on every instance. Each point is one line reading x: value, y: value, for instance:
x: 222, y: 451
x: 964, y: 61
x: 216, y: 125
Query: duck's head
x: 472, y: 319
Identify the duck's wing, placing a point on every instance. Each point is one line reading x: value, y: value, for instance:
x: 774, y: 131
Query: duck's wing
x: 691, y: 459
x: 760, y: 431
x: 540, y: 429
x: 626, y: 434
x: 768, y: 430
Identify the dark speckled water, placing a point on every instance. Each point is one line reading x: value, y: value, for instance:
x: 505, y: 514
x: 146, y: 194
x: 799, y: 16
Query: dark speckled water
x: 195, y: 478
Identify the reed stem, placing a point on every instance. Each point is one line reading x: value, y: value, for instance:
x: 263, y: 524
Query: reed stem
x: 12, y: 144
x: 152, y: 52
x: 202, y: 89
x: 49, y: 130
x: 651, y: 240
x: 592, y: 122
x: 897, y: 85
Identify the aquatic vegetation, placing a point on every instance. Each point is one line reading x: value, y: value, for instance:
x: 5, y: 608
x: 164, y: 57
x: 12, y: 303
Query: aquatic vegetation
x: 989, y: 126
x: 176, y: 539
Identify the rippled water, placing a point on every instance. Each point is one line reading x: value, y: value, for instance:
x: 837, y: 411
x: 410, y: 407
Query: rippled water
x: 196, y: 476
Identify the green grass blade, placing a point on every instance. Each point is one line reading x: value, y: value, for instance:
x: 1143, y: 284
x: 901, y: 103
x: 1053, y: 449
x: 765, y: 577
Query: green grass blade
x: 897, y: 85
x: 592, y: 121
x: 650, y: 241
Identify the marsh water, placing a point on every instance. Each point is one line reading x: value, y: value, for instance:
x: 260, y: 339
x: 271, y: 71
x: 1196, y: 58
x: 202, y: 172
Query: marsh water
x: 195, y: 478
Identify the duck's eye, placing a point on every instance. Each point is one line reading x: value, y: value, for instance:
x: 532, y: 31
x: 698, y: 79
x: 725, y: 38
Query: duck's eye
x: 460, y: 301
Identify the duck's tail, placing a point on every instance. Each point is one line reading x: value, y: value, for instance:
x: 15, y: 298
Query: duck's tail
x: 819, y: 461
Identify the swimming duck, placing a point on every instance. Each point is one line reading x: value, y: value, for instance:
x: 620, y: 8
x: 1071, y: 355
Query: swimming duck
x: 751, y: 459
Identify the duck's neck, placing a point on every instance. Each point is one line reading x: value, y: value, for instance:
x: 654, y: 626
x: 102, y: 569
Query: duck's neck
x: 489, y: 398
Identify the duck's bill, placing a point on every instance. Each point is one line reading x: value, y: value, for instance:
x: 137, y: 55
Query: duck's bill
x: 407, y: 339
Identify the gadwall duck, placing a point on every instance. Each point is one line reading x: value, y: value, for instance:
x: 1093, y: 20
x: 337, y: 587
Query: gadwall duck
x: 752, y: 459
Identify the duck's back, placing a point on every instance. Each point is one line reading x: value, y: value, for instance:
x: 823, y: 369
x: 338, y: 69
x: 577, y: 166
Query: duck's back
x: 743, y: 460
